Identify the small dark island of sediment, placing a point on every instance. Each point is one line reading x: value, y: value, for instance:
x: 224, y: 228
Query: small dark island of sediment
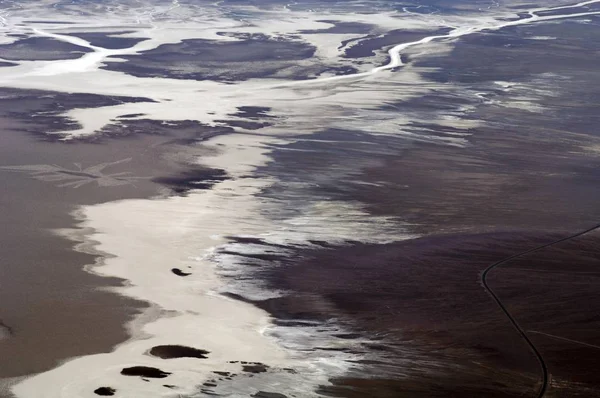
x: 144, y: 371
x: 266, y: 394
x: 179, y: 272
x: 178, y: 351
x: 254, y: 367
x: 105, y: 391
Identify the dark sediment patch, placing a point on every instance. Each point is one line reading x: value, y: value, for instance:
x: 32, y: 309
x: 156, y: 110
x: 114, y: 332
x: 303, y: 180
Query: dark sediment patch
x: 7, y: 64
x: 254, y: 241
x: 41, y: 112
x: 331, y: 162
x: 145, y: 371
x: 350, y: 336
x: 254, y: 367
x: 513, y: 182
x: 179, y: 272
x: 122, y: 127
x: 266, y: 394
x: 108, y: 39
x: 198, y: 59
x: 253, y: 112
x: 238, y: 297
x: 342, y: 70
x: 342, y: 28
x: 41, y: 49
x: 105, y: 391
x: 510, y: 54
x: 131, y: 115
x: 199, y: 178
x: 244, y: 124
x: 178, y: 351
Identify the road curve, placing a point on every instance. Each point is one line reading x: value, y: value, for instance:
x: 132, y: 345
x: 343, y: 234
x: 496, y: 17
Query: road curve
x: 544, y: 387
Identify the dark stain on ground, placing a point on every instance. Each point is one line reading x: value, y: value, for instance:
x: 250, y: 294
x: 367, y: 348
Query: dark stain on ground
x: 342, y: 28
x: 198, y: 178
x: 42, y: 112
x: 131, y: 115
x: 179, y: 272
x: 254, y: 367
x: 253, y: 112
x: 145, y: 371
x: 123, y: 127
x: 201, y: 59
x: 178, y: 351
x: 106, y: 39
x: 41, y: 49
x: 105, y: 391
x: 244, y: 124
x: 461, y: 343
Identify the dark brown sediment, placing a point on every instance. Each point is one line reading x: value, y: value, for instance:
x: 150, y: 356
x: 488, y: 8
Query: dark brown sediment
x: 434, y: 330
x: 218, y: 60
x: 178, y: 351
x: 108, y: 39
x: 145, y: 371
x: 41, y: 48
x: 105, y: 391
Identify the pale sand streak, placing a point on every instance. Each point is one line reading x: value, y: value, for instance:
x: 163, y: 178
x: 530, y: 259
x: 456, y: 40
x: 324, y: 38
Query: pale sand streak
x: 146, y: 238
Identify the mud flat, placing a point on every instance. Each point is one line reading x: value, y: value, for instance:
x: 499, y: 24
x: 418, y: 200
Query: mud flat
x: 45, y: 182
x: 434, y: 331
x: 218, y: 254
